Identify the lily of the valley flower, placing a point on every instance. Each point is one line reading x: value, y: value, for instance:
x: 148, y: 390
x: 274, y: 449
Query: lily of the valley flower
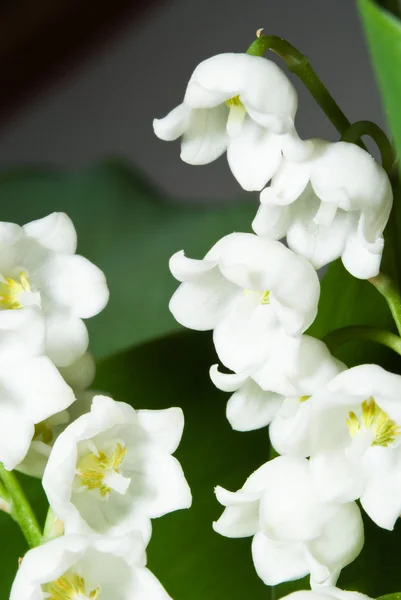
x: 294, y: 533
x: 75, y: 567
x: 78, y: 376
x: 31, y: 388
x: 254, y: 293
x: 336, y: 203
x: 39, y: 268
x: 278, y: 389
x: 352, y: 431
x: 111, y: 470
x: 325, y: 593
x: 241, y: 104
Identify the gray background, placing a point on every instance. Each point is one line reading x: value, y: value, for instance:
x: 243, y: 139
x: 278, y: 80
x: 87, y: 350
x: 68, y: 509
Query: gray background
x: 106, y: 105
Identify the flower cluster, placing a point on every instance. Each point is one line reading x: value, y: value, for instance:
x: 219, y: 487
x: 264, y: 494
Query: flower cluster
x: 337, y: 429
x: 107, y: 468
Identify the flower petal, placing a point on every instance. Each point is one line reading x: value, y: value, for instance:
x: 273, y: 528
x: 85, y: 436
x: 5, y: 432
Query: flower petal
x: 205, y: 138
x: 276, y: 562
x: 272, y: 221
x: 55, y: 232
x: 203, y: 304
x: 254, y: 155
x: 252, y: 408
x: 341, y: 541
x: 173, y: 125
x: 74, y: 283
x: 189, y: 270
x: 227, y: 382
x: 66, y: 339
x: 163, y: 427
x: 360, y: 259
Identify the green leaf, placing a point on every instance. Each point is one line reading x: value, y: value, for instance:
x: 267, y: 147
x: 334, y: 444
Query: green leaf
x: 394, y: 596
x: 127, y: 229
x: 383, y: 32
x: 345, y: 300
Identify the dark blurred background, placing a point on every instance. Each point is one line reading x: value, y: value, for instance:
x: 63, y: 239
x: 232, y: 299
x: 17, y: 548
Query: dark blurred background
x: 81, y: 81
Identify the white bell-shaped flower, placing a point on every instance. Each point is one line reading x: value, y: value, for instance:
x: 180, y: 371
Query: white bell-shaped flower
x: 31, y: 388
x: 241, y: 104
x: 254, y: 293
x: 39, y: 267
x: 78, y: 376
x: 336, y: 203
x: 76, y: 567
x: 111, y: 470
x: 278, y: 388
x: 326, y: 592
x: 294, y: 533
x: 352, y: 431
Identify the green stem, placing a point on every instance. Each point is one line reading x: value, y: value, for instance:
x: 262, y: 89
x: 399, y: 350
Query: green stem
x: 360, y: 332
x: 21, y: 509
x: 391, y: 292
x: 299, y: 64
x: 360, y: 128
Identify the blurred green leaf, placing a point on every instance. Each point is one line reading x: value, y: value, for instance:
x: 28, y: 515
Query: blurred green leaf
x: 127, y: 229
x: 395, y: 596
x: 383, y: 32
x: 345, y: 300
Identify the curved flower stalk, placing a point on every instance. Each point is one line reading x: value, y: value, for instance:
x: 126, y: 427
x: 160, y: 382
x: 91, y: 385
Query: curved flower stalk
x: 294, y: 533
x: 39, y: 268
x: 31, y: 388
x: 75, y: 566
x: 254, y: 293
x: 241, y: 104
x: 336, y: 203
x: 111, y: 470
x: 79, y: 376
x: 273, y: 391
x: 352, y: 431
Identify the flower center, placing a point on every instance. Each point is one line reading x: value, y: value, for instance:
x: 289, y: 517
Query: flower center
x: 373, y: 418
x: 263, y: 297
x: 304, y: 398
x: 236, y: 115
x: 99, y: 471
x: 11, y: 291
x: 70, y: 587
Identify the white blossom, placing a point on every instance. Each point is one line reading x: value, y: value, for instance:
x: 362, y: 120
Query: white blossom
x: 278, y: 388
x: 294, y: 533
x: 241, y: 104
x: 79, y: 376
x: 351, y: 429
x: 325, y: 593
x: 31, y: 388
x: 336, y: 203
x: 39, y: 268
x: 254, y: 293
x: 111, y: 470
x: 87, y: 568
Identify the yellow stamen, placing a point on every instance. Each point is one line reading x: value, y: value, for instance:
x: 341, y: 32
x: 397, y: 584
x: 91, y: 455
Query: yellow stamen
x: 92, y: 468
x: 264, y: 297
x: 385, y: 430
x: 304, y: 398
x: 70, y: 586
x: 234, y: 101
x: 11, y: 289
